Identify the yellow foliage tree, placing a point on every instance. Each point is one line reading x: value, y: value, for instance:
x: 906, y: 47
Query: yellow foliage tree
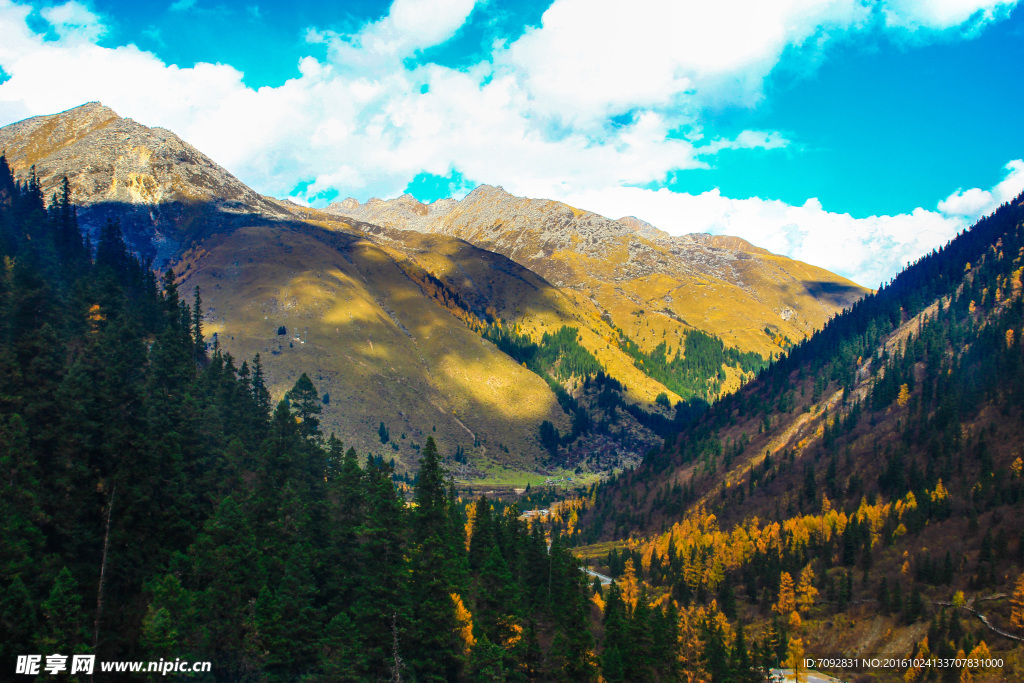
x: 795, y: 622
x: 914, y: 673
x: 470, y: 517
x: 628, y: 585
x: 787, y: 596
x: 904, y: 396
x: 806, y: 592
x: 795, y: 659
x: 1017, y: 605
x: 465, y: 621
x: 691, y: 645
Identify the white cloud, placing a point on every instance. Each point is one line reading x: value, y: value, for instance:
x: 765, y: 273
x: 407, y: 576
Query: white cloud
x: 975, y: 203
x: 598, y: 57
x: 409, y: 26
x: 533, y: 118
x: 944, y: 14
x: 74, y: 21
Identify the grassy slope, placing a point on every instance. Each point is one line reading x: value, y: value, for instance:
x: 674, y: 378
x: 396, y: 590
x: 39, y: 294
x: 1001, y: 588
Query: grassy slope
x: 380, y: 348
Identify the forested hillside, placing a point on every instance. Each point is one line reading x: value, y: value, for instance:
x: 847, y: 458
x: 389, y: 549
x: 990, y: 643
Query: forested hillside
x: 869, y: 480
x: 155, y: 505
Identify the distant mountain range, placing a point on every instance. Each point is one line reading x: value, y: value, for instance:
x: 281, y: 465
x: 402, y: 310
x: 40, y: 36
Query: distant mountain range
x: 419, y: 320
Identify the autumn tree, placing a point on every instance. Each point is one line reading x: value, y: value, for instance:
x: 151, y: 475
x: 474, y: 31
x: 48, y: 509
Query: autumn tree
x: 795, y: 659
x: 787, y: 596
x: 1017, y: 605
x: 904, y: 396
x: 806, y: 592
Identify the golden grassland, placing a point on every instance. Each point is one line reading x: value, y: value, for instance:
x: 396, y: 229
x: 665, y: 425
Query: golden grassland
x: 371, y: 340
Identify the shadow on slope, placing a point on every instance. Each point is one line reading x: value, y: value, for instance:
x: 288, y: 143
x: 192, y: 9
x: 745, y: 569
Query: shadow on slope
x: 161, y: 231
x: 835, y: 293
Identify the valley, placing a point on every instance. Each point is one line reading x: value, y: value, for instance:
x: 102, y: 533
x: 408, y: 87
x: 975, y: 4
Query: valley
x: 386, y: 304
x: 381, y: 440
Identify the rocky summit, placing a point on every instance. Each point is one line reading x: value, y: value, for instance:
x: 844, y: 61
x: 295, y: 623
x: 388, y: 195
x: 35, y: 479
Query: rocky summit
x: 163, y: 190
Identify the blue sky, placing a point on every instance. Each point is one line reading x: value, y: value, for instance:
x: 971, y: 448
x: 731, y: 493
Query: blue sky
x: 854, y: 134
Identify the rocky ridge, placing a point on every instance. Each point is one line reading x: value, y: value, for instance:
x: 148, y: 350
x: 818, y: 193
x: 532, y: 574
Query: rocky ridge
x: 628, y: 267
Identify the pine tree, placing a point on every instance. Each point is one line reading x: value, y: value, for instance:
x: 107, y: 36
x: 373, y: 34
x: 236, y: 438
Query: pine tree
x: 199, y: 345
x: 305, y: 401
x: 434, y: 649
x: 64, y: 619
x: 18, y: 620
x: 228, y: 572
x: 381, y: 575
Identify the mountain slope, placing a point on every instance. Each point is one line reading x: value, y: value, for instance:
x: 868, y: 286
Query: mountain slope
x: 654, y: 286
x: 400, y: 326
x: 884, y: 449
x: 359, y: 311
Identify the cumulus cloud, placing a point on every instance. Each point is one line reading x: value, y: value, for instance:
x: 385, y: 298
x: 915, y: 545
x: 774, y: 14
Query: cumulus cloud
x: 974, y: 203
x: 534, y: 117
x: 410, y: 25
x: 595, y: 57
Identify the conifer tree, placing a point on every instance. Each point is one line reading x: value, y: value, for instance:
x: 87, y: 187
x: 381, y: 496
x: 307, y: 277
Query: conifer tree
x: 787, y: 597
x: 433, y: 650
x: 199, y: 344
x: 1017, y: 604
x: 18, y: 619
x: 305, y: 401
x: 381, y: 575
x: 806, y: 592
x: 62, y: 612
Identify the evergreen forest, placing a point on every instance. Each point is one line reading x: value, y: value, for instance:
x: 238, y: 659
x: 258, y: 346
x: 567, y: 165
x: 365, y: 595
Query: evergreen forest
x: 156, y: 505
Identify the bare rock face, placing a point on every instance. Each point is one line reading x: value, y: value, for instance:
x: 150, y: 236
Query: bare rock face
x: 539, y: 233
x: 163, y: 190
x: 543, y: 235
x: 404, y: 213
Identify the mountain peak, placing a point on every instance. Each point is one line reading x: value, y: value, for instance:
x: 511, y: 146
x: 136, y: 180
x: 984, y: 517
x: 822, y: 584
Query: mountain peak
x: 488, y: 191
x: 153, y: 179
x: 90, y: 108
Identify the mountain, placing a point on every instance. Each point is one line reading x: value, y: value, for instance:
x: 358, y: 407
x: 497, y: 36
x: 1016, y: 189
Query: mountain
x: 164, y: 192
x: 654, y: 286
x: 155, y: 505
x: 881, y: 458
x: 410, y: 333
